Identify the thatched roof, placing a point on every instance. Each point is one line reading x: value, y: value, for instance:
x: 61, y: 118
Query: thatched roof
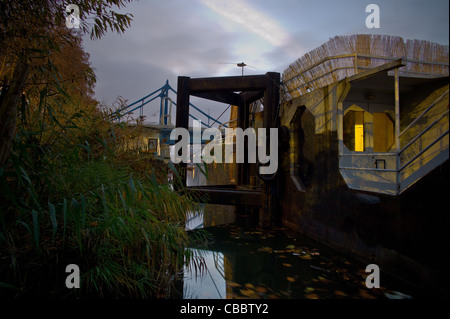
x: 344, y: 56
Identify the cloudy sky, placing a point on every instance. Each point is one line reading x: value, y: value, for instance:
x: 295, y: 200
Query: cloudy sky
x: 205, y: 38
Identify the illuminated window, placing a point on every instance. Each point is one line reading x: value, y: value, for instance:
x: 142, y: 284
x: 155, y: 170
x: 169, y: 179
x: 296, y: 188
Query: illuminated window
x: 354, y: 130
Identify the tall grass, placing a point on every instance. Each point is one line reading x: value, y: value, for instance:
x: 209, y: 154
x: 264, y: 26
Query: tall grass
x: 70, y: 196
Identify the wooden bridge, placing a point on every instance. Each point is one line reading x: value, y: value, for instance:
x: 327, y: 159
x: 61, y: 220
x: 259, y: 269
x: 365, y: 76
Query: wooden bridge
x: 240, y: 91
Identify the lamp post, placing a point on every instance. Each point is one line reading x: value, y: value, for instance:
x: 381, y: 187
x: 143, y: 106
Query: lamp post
x: 242, y: 65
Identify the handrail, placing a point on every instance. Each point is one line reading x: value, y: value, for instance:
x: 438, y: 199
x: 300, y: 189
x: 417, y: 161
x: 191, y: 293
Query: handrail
x: 423, y: 132
x: 419, y: 135
x: 422, y: 151
x: 400, y: 167
x: 424, y: 112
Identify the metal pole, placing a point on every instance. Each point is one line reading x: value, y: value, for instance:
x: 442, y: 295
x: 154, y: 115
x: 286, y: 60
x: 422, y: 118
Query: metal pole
x: 397, y: 110
x: 166, y: 94
x: 397, y: 124
x: 161, y: 115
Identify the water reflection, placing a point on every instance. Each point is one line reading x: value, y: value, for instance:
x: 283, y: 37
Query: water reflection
x: 276, y: 263
x: 271, y: 263
x: 208, y: 283
x: 208, y: 214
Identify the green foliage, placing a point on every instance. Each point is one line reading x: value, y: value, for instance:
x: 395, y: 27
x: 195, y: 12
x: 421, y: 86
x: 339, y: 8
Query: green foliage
x: 69, y: 195
x: 71, y: 192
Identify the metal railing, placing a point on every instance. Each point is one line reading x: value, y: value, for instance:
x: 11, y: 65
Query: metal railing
x: 402, y: 166
x: 403, y: 181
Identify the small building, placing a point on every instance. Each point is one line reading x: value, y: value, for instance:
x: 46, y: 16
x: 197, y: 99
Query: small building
x: 367, y: 167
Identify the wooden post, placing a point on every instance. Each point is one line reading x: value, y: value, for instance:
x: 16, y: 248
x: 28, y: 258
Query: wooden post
x: 271, y: 101
x: 243, y: 123
x: 182, y: 120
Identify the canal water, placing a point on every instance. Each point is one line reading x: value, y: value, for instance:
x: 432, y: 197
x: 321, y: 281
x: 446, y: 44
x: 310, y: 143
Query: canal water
x: 273, y: 263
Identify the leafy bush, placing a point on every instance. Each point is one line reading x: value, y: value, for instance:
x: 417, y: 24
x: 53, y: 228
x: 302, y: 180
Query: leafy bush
x: 69, y: 196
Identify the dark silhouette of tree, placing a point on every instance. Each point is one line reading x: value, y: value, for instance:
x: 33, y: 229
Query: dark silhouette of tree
x: 40, y: 56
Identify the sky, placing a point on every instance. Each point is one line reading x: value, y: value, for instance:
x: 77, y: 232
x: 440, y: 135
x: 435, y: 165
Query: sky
x: 207, y: 38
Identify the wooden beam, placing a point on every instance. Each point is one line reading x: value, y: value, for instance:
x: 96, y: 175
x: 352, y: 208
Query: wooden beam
x: 182, y: 120
x: 251, y: 96
x: 229, y: 84
x: 271, y: 100
x: 269, y: 212
x: 222, y: 97
x: 382, y: 68
x: 226, y: 196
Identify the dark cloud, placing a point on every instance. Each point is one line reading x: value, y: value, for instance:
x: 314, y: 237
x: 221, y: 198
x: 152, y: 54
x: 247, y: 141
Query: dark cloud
x: 164, y: 40
x: 184, y: 37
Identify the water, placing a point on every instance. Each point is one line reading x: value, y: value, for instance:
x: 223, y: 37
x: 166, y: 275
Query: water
x: 279, y: 264
x: 274, y: 263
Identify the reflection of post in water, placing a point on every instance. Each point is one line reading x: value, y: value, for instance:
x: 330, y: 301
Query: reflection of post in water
x: 204, y: 276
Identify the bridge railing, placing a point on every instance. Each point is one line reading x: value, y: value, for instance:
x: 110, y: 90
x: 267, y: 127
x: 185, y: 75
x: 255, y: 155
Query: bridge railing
x: 165, y: 110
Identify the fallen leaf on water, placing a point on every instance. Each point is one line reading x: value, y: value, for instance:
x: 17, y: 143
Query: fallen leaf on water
x: 266, y: 249
x: 287, y: 265
x: 291, y: 279
x: 249, y: 285
x: 247, y: 292
x: 234, y: 284
x: 364, y: 294
x: 290, y: 247
x: 324, y: 280
x: 340, y: 293
x: 261, y: 290
x: 306, y: 257
x: 309, y: 289
x: 312, y: 296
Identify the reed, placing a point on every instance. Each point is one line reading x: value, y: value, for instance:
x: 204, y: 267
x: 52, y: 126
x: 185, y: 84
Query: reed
x: 71, y: 195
